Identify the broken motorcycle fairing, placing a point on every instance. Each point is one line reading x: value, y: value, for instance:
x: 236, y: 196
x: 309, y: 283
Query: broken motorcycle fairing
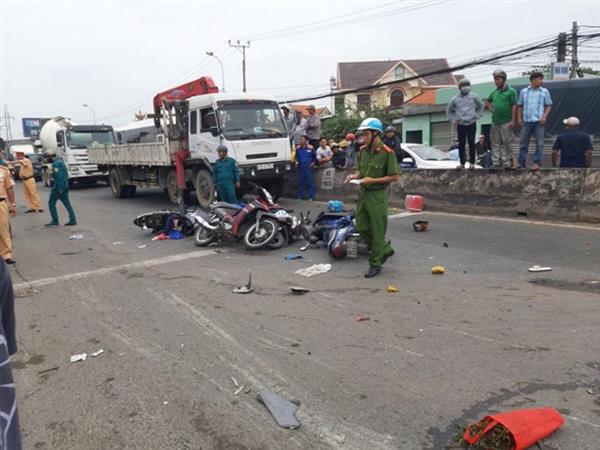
x: 165, y: 222
x: 336, y: 230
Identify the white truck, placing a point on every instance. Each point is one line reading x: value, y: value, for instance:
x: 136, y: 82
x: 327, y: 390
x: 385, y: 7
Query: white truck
x: 189, y: 123
x: 71, y: 142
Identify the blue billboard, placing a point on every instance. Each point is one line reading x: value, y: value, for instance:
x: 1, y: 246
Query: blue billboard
x: 32, y: 126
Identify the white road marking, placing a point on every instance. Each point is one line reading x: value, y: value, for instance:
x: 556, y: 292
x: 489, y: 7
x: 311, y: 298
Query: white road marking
x: 404, y: 214
x: 525, y: 221
x: 107, y: 270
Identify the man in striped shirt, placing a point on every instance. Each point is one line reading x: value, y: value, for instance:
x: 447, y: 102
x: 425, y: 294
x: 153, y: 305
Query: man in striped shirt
x: 534, y: 106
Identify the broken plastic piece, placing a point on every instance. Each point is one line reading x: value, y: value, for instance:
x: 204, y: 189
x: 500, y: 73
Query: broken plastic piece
x: 438, y: 270
x: 240, y: 389
x: 282, y: 410
x: 420, y: 225
x: 235, y: 382
x: 361, y: 318
x: 118, y: 243
x: 76, y: 237
x: 391, y: 288
x: 292, y: 257
x: 536, y: 268
x: 98, y: 353
x: 143, y: 246
x: 79, y: 357
x: 299, y: 290
x: 313, y: 270
x: 244, y: 289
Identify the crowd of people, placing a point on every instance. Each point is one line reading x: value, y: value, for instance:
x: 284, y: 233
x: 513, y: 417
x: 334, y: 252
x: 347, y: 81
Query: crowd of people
x: 528, y: 112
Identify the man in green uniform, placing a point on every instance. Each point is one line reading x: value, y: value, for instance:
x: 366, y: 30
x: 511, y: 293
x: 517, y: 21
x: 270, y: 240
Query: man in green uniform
x: 226, y: 176
x: 60, y: 190
x: 377, y: 168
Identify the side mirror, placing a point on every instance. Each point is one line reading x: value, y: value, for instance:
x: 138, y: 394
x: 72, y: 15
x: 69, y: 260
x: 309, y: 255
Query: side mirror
x: 214, y: 131
x: 408, y: 161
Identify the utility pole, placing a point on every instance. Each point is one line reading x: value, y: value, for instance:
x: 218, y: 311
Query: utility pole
x: 574, y: 60
x: 241, y: 47
x: 7, y: 119
x: 561, y: 51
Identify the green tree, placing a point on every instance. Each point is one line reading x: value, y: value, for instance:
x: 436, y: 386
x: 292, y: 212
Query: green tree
x: 348, y: 119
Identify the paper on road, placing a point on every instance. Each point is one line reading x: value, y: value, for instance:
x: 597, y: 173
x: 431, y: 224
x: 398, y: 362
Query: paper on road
x: 313, y: 270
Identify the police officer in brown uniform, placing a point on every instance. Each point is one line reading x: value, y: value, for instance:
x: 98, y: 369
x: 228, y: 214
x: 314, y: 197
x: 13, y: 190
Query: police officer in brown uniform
x: 29, y: 187
x: 7, y: 208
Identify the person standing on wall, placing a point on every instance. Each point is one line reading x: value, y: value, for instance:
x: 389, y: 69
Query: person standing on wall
x: 534, y: 106
x: 574, y: 147
x: 464, y: 110
x: 503, y: 103
x: 313, y: 126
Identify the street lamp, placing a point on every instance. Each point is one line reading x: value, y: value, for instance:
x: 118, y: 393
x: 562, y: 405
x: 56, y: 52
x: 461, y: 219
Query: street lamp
x: 85, y: 105
x: 222, y: 68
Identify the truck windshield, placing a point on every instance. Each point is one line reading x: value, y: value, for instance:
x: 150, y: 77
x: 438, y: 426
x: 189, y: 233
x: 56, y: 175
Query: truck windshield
x: 84, y: 139
x: 251, y: 120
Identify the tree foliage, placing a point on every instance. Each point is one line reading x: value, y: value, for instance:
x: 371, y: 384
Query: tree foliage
x: 348, y: 119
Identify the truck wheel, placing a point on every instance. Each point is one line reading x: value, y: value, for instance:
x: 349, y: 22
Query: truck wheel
x: 205, y: 188
x: 116, y: 184
x: 172, y: 190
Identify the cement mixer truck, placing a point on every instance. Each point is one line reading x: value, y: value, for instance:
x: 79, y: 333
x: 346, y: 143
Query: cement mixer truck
x: 71, y: 142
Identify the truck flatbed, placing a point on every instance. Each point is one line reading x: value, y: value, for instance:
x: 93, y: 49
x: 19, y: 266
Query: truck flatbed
x: 149, y: 154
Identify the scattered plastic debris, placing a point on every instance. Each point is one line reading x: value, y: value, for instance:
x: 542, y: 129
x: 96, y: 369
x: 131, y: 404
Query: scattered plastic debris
x: 304, y: 247
x: 235, y: 382
x: 118, y: 243
x: 590, y: 391
x: 361, y: 318
x: 165, y: 403
x: 51, y: 369
x: 282, y: 410
x: 79, y: 357
x: 536, y: 268
x: 76, y: 237
x: 292, y: 257
x: 299, y: 290
x: 391, y: 288
x: 438, y: 270
x: 98, y: 353
x: 420, y: 225
x: 516, y: 430
x: 591, y: 282
x: 445, y: 245
x: 313, y: 270
x: 244, y: 289
x: 143, y: 246
x: 161, y: 237
x: 240, y: 389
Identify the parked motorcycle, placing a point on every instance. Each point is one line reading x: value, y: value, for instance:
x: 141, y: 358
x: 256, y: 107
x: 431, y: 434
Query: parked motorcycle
x: 252, y: 222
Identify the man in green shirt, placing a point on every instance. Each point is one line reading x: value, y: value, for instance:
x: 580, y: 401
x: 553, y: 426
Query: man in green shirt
x: 226, y: 176
x: 377, y: 168
x: 60, y: 190
x: 503, y: 103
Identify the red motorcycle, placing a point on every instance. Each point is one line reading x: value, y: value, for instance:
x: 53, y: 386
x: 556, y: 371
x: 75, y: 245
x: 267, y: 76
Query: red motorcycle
x: 251, y: 222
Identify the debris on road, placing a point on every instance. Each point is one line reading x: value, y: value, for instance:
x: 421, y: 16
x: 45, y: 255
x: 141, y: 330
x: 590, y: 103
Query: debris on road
x: 361, y: 318
x: 315, y: 269
x: 235, y: 382
x: 299, y: 290
x: 304, y: 247
x: 175, y: 235
x: 51, y: 369
x: 143, y: 246
x: 244, y: 289
x: 79, y: 357
x: 536, y: 268
x: 118, y: 243
x: 513, y: 430
x: 240, y: 389
x: 445, y: 245
x: 76, y: 237
x: 161, y: 237
x: 391, y: 288
x: 98, y: 353
x: 292, y: 257
x: 420, y: 225
x: 283, y: 411
x: 589, y: 282
x: 438, y: 270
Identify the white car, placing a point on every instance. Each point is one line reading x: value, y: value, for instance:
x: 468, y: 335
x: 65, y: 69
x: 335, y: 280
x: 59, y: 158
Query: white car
x: 426, y: 157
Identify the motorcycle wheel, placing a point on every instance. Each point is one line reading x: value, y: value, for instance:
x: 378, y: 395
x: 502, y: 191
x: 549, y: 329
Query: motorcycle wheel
x: 261, y: 234
x: 203, y: 236
x: 280, y: 241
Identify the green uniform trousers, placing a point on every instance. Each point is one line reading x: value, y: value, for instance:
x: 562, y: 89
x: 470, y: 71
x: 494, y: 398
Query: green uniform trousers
x: 371, y: 223
x: 227, y: 192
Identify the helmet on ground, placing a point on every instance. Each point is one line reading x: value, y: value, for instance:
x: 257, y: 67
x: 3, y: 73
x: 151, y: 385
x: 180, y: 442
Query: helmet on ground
x: 371, y: 123
x: 464, y: 82
x: 500, y: 74
x: 390, y: 128
x: 350, y: 137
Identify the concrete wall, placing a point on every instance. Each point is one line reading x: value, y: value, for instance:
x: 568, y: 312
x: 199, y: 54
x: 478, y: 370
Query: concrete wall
x: 550, y: 194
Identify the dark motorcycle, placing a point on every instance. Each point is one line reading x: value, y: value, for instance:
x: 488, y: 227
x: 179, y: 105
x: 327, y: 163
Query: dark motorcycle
x: 337, y: 232
x: 166, y: 221
x: 290, y: 229
x: 252, y: 222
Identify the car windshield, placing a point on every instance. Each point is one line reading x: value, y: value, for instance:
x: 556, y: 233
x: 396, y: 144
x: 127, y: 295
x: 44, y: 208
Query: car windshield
x: 429, y: 153
x: 250, y: 120
x: 84, y: 139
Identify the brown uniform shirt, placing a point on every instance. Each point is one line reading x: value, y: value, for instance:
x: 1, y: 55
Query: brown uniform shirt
x: 6, y: 181
x: 26, y: 170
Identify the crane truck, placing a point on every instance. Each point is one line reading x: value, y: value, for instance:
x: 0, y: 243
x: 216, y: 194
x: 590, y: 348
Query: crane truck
x: 175, y: 150
x: 72, y: 142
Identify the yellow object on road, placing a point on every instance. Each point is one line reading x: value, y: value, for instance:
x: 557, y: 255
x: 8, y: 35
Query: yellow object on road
x: 391, y: 288
x: 438, y: 270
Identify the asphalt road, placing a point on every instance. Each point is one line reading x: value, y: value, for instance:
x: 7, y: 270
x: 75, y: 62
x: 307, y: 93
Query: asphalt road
x: 442, y: 352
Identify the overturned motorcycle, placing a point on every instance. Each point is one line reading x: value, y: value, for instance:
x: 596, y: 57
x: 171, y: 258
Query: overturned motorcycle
x: 256, y: 223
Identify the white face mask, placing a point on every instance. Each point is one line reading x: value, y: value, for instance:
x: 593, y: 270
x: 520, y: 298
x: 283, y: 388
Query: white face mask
x: 465, y: 89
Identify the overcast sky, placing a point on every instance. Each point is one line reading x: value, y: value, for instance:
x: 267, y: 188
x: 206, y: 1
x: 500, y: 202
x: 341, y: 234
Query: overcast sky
x: 115, y: 55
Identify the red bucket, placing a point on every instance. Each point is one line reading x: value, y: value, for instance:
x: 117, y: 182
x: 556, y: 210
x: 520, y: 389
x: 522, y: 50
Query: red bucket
x: 414, y: 203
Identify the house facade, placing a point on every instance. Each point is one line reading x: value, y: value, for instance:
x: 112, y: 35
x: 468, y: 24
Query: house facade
x: 352, y: 75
